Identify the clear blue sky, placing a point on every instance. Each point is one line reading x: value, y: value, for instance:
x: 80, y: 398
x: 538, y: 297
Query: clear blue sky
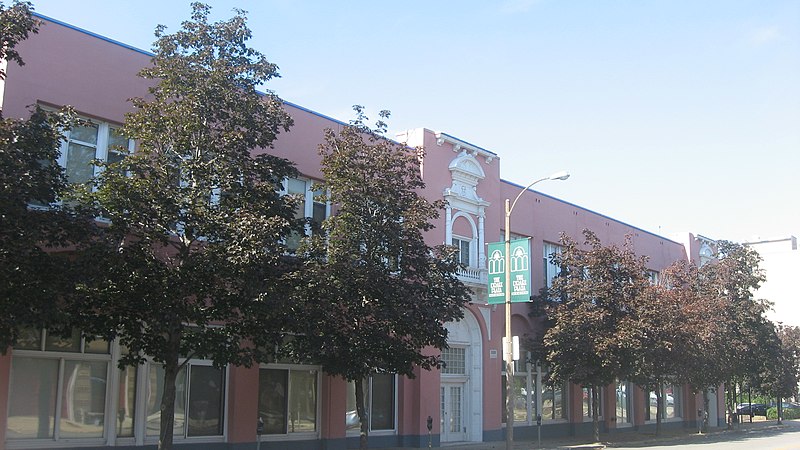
x: 671, y: 115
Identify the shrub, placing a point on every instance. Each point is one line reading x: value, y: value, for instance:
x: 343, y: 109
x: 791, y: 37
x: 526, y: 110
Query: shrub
x: 788, y: 413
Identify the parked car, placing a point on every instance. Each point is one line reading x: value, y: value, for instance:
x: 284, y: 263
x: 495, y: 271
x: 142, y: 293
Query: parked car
x: 759, y: 409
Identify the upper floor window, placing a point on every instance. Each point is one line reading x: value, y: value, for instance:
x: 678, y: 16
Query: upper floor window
x: 551, y: 270
x: 652, y: 276
x: 310, y: 206
x: 88, y: 141
x: 464, y: 254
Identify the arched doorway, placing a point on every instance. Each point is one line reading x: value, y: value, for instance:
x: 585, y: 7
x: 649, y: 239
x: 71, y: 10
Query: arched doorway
x: 461, y: 396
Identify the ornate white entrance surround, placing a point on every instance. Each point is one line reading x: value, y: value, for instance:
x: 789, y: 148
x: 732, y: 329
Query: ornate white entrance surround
x: 467, y: 333
x: 463, y: 200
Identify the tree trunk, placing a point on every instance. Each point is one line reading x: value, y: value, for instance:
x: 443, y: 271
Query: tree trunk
x: 659, y: 402
x: 706, y: 403
x: 362, y: 414
x: 780, y: 409
x: 595, y: 413
x: 171, y: 370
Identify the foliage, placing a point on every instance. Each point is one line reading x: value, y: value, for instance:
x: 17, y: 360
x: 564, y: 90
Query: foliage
x: 16, y: 24
x: 730, y: 282
x: 589, y: 343
x: 34, y: 274
x: 780, y: 371
x: 788, y: 413
x: 666, y: 320
x: 374, y: 294
x: 191, y: 262
x: 34, y: 228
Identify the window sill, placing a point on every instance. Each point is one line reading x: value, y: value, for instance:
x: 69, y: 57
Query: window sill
x: 289, y: 437
x: 50, y: 443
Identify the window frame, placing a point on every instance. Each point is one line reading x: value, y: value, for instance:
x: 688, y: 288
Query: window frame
x: 548, y: 249
x: 299, y: 435
x: 111, y: 401
x: 354, y: 431
x: 470, y: 244
x: 101, y: 146
x: 61, y: 358
x: 309, y: 201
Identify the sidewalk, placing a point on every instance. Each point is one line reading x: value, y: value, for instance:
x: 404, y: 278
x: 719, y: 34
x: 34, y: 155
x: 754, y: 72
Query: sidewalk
x: 619, y: 439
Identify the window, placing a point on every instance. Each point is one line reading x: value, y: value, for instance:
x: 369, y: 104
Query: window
x: 64, y: 388
x: 309, y: 207
x: 58, y: 387
x: 551, y: 397
x: 587, y: 402
x: 554, y: 400
x: 199, y: 400
x: 652, y: 277
x: 380, y: 403
x: 463, y: 246
x: 454, y: 361
x: 287, y: 399
x: 671, y: 403
x: 551, y: 270
x: 88, y: 141
x: 624, y: 403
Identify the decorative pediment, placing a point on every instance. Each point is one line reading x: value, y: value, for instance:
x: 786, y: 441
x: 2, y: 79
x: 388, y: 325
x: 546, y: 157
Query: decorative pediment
x: 466, y: 173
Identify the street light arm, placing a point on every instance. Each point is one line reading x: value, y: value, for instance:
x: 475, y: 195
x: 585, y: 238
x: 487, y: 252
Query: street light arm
x: 508, y: 211
x: 556, y: 176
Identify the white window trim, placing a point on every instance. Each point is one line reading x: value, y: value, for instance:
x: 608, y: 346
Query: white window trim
x: 473, y: 262
x: 101, y: 147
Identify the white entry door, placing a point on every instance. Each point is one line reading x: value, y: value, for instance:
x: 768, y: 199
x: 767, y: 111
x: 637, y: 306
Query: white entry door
x: 454, y: 424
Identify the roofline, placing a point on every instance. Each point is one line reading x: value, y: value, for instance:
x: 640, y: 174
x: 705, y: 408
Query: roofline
x: 151, y: 54
x: 592, y: 212
x: 310, y: 111
x: 464, y: 143
x: 95, y: 35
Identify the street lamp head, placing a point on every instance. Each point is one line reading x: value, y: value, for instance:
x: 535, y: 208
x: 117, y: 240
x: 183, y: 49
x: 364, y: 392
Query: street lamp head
x: 563, y: 175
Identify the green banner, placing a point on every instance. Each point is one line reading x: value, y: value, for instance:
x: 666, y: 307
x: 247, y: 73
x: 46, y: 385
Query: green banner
x: 520, y: 265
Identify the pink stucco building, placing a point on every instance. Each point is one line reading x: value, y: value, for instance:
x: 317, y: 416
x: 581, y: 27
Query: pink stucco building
x: 70, y: 394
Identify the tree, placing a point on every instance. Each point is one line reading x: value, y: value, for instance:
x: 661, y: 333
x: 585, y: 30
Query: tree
x: 733, y: 280
x: 192, y: 257
x: 588, y: 343
x: 34, y: 270
x: 16, y: 24
x: 374, y: 294
x: 666, y: 320
x: 34, y: 228
x: 780, y: 373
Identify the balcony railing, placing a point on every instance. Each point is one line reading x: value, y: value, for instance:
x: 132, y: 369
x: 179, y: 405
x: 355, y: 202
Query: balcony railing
x: 473, y: 275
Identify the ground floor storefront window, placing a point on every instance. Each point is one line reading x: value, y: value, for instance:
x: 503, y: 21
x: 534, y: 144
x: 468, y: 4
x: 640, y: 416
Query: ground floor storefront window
x: 671, y: 407
x: 624, y: 403
x: 70, y: 390
x: 287, y: 399
x: 380, y: 401
x: 532, y: 388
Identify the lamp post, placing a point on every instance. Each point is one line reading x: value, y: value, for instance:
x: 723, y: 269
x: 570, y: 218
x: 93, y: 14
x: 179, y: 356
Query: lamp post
x: 509, y: 352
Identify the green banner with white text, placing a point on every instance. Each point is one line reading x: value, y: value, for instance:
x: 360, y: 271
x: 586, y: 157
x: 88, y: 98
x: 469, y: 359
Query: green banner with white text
x: 519, y: 262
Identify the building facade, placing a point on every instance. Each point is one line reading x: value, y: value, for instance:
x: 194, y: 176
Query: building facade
x: 67, y: 393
